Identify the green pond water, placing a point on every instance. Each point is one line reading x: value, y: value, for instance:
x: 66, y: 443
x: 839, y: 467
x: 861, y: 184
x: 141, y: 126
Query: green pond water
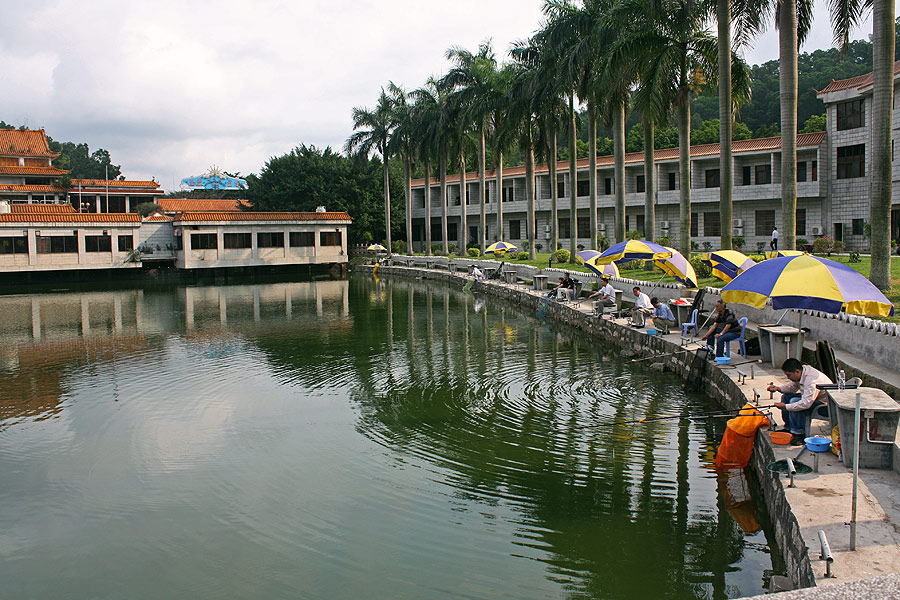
x: 349, y: 439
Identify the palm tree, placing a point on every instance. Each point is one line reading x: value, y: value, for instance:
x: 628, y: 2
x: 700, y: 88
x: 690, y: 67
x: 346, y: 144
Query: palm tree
x: 401, y: 142
x: 497, y: 103
x: 375, y: 127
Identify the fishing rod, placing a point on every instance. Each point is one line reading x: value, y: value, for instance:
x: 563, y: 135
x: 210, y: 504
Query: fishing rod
x: 607, y: 423
x: 682, y: 351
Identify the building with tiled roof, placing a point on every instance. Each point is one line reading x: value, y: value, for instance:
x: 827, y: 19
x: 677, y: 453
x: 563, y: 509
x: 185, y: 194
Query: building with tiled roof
x: 833, y: 188
x: 27, y: 173
x: 177, y: 205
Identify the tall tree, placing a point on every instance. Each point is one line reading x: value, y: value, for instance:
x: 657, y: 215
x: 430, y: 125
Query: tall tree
x: 373, y: 129
x: 401, y: 141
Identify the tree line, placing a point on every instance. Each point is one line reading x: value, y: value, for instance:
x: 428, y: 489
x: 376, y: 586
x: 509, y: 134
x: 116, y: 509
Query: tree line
x: 648, y: 60
x: 78, y: 159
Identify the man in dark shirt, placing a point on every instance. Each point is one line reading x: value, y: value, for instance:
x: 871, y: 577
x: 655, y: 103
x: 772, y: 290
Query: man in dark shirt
x: 724, y: 329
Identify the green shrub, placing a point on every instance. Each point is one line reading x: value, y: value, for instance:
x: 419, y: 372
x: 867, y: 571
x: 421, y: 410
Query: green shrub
x: 398, y: 247
x: 707, y: 245
x: 665, y: 241
x: 538, y: 246
x: 474, y: 252
x: 580, y: 247
x: 823, y: 245
x: 437, y: 249
x: 603, y: 242
x: 738, y: 242
x: 633, y: 234
x: 526, y: 244
x: 701, y: 268
x: 838, y: 246
x: 760, y: 247
x: 452, y: 248
x: 561, y: 256
x: 631, y: 265
x: 802, y: 241
x: 757, y: 257
x: 694, y: 245
x: 523, y: 256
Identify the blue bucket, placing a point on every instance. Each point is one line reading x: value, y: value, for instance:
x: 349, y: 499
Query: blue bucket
x: 651, y: 332
x: 723, y: 360
x: 818, y: 444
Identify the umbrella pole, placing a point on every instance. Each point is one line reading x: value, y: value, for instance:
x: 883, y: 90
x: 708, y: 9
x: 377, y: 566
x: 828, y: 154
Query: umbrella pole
x: 656, y: 284
x: 778, y: 322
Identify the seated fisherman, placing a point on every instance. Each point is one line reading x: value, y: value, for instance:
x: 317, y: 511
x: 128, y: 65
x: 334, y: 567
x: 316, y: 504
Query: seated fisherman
x: 724, y: 329
x: 476, y: 273
x: 606, y: 295
x: 559, y: 291
x: 568, y: 288
x: 642, y: 307
x: 799, y: 396
x: 662, y: 315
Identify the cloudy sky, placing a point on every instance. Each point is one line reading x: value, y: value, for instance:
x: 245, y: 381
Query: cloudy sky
x: 172, y: 87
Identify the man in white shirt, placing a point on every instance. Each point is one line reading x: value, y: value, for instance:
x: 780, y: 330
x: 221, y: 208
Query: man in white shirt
x: 476, y: 273
x: 774, y: 243
x: 642, y: 307
x: 799, y: 395
x: 605, y: 296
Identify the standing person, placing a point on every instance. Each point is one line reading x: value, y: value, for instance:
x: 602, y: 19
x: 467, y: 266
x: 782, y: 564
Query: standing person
x: 642, y: 307
x: 799, y: 396
x: 774, y: 243
x: 662, y: 315
x: 723, y: 330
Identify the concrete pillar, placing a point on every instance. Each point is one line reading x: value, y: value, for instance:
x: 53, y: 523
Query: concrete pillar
x: 32, y: 247
x: 318, y: 295
x: 35, y: 318
x: 287, y: 242
x: 220, y: 243
x: 189, y: 308
x: 85, y: 317
x: 82, y: 258
x: 128, y: 204
x: 254, y: 249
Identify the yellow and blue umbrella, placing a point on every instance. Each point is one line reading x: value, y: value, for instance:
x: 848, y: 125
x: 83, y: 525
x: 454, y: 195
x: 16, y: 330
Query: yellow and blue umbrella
x: 631, y: 250
x: 679, y: 267
x: 778, y: 253
x: 586, y: 257
x: 376, y: 248
x: 501, y: 248
x: 808, y: 282
x: 727, y: 264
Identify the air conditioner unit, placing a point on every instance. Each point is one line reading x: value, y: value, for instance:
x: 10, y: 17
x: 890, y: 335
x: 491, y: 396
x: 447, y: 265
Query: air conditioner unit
x: 546, y: 235
x: 601, y: 227
x: 816, y: 230
x: 738, y: 223
x: 546, y: 229
x: 665, y: 225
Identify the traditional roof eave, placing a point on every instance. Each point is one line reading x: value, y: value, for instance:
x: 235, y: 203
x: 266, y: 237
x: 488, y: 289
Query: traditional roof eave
x: 75, y: 219
x: 311, y: 218
x: 860, y: 82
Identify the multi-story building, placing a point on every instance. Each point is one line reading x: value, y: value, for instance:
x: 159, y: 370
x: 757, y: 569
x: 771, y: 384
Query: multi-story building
x: 832, y: 188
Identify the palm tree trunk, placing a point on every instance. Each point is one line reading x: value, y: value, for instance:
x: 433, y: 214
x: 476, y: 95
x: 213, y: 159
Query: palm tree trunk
x: 684, y: 170
x: 573, y: 183
x: 649, y: 185
x: 499, y: 171
x: 482, y: 194
x: 427, y: 208
x: 463, y: 196
x: 619, y: 156
x: 444, y: 203
x: 554, y: 192
x: 407, y: 175
x: 726, y: 124
x: 787, y: 62
x: 883, y: 26
x: 387, y: 200
x: 529, y: 195
x: 592, y: 173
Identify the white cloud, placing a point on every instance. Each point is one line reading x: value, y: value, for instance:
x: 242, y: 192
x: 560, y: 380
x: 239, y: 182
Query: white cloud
x: 173, y: 86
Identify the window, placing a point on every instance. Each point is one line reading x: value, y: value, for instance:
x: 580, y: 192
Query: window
x: 564, y: 228
x: 639, y: 183
x: 57, y: 244
x: 515, y: 230
x: 815, y: 171
x: 639, y: 223
x: 711, y: 224
x: 747, y: 175
x: 236, y: 240
x: 763, y: 174
x: 800, y: 222
x: 695, y: 224
x: 712, y: 178
x: 14, y: 245
x: 608, y: 186
x: 839, y: 231
x: 584, y: 187
x: 851, y: 115
x: 509, y: 194
x: 672, y: 185
x: 126, y: 243
x: 584, y: 227
x: 851, y: 161
x: 858, y: 227
x: 97, y: 243
x: 765, y: 222
x: 330, y: 238
x: 302, y: 239
x: 801, y: 172
x: 560, y: 189
x: 270, y: 239
x: 204, y: 241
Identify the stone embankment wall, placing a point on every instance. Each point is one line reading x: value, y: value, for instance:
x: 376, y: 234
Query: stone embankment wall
x: 717, y: 384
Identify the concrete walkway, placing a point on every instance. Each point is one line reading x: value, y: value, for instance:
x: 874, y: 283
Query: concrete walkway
x: 820, y: 500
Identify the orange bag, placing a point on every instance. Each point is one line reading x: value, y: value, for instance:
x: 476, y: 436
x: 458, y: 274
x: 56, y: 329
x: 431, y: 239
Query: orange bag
x: 737, y: 443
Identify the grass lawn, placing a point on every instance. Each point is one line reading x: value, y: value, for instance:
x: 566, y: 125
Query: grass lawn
x: 863, y: 267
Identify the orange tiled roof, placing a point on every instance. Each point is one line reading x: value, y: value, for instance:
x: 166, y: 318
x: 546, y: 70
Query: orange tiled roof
x: 25, y: 142
x: 114, y: 183
x: 14, y: 187
x: 205, y: 217
x: 157, y: 218
x: 859, y: 82
x: 42, y: 208
x: 16, y: 170
x: 804, y: 140
x: 114, y: 190
x: 74, y: 218
x: 201, y: 204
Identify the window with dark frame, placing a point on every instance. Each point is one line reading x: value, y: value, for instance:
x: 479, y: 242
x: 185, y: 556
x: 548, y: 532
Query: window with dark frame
x: 584, y: 187
x: 509, y: 194
x: 126, y: 243
x: 801, y: 172
x: 204, y: 241
x: 14, y: 245
x: 851, y: 115
x: 858, y: 227
x: 564, y: 231
x: 763, y: 174
x: 608, y: 186
x: 747, y: 175
x: 584, y: 227
x: 851, y: 161
x: 815, y: 171
x: 302, y: 239
x: 57, y: 244
x: 270, y: 239
x: 672, y: 183
x: 712, y: 178
x: 639, y: 184
x: 330, y: 238
x: 695, y: 224
x: 515, y: 229
x: 800, y: 222
x: 235, y: 241
x: 97, y: 243
x: 765, y: 222
x: 639, y: 223
x: 712, y: 224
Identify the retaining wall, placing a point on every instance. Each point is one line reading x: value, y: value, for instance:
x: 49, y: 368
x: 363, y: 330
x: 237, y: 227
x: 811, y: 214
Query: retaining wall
x: 717, y: 384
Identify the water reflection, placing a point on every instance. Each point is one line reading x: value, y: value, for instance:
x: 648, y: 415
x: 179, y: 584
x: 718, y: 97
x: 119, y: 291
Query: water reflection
x: 339, y: 439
